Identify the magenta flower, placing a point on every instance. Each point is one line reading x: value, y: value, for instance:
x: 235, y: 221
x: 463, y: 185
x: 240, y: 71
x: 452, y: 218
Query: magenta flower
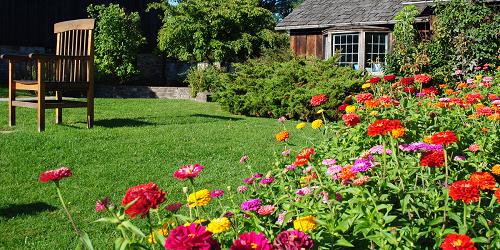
x: 293, y: 239
x: 190, y: 171
x: 266, y: 210
x: 102, y: 205
x: 379, y: 149
x: 251, y: 241
x: 304, y: 191
x: 193, y: 236
x: 173, y: 207
x: 251, y: 205
x: 216, y: 193
x: 267, y: 181
x: 55, y: 175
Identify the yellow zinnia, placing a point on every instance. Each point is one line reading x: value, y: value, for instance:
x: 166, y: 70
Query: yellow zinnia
x: 366, y: 86
x: 200, y: 198
x: 479, y: 77
x: 219, y: 225
x: 317, y: 124
x: 197, y: 222
x: 301, y: 125
x: 398, y: 133
x: 320, y: 111
x: 428, y: 139
x: 163, y: 231
x: 304, y: 224
x: 350, y: 109
x: 374, y: 113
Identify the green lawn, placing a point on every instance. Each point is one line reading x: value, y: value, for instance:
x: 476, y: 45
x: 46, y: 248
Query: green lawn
x: 133, y: 142
x: 4, y: 92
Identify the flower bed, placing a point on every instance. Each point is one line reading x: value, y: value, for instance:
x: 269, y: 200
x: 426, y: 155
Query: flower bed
x: 411, y: 165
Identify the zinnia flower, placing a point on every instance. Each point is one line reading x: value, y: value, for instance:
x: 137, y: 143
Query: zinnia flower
x: 433, y: 158
x: 366, y: 86
x: 474, y: 148
x: 267, y: 181
x: 162, y: 230
x: 216, y: 193
x: 457, y: 242
x: 497, y: 194
x: 251, y: 205
x: 375, y: 80
x: 282, y: 136
x: 306, y: 223
x: 318, y: 100
x: 464, y: 190
x: 398, y: 133
x: 301, y: 125
x: 251, y: 241
x: 361, y: 98
x: 266, y: 210
x: 173, y: 207
x: 293, y: 240
x: 55, y: 175
x: 219, y: 225
x: 371, y: 104
x: 407, y: 80
x: 496, y: 169
x: 350, y: 120
x: 199, y: 198
x: 146, y: 196
x: 350, y: 109
x: 390, y: 78
x: 423, y: 78
x: 190, y: 237
x: 317, y: 124
x: 382, y: 127
x: 188, y: 171
x: 102, y: 205
x: 483, y: 180
x: 445, y: 138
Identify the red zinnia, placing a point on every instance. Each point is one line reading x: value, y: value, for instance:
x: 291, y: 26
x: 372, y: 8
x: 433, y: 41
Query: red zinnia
x: 407, y: 80
x: 188, y: 171
x: 55, y: 175
x: 146, y: 196
x: 430, y: 91
x: 497, y: 194
x: 433, y: 158
x: 318, y: 100
x: 382, y: 127
x: 251, y: 241
x: 458, y: 242
x: 464, y: 190
x: 342, y: 107
x: 483, y: 180
x: 375, y: 80
x: 190, y: 237
x: 361, y: 98
x: 390, y: 78
x: 350, y: 120
x: 485, y: 111
x: 423, y: 78
x: 446, y: 138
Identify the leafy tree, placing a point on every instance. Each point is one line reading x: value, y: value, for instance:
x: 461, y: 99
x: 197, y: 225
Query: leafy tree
x: 217, y: 30
x: 117, y: 41
x: 280, y: 8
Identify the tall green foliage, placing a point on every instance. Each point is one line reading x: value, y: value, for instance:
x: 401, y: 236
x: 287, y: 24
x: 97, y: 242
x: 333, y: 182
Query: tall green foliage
x: 280, y: 8
x: 405, y: 41
x: 117, y: 41
x: 216, y: 30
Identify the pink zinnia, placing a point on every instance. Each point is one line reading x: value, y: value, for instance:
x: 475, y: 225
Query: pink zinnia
x: 216, y: 193
x: 267, y: 181
x: 266, y: 210
x: 304, y: 191
x: 242, y: 189
x: 189, y: 237
x: 55, y: 175
x: 474, y: 148
x: 251, y: 205
x: 102, y: 205
x: 251, y: 241
x: 188, y: 171
x: 293, y: 239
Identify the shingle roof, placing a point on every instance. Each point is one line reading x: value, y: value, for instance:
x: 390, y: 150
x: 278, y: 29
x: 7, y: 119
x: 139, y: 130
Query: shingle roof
x: 328, y: 13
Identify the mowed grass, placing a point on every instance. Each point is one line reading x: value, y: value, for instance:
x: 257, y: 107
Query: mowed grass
x: 134, y: 141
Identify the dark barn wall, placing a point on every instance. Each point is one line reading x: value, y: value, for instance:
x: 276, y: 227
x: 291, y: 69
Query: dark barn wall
x: 30, y: 23
x: 307, y: 42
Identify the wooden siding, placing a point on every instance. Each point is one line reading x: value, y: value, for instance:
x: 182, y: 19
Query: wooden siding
x: 31, y: 22
x: 307, y: 44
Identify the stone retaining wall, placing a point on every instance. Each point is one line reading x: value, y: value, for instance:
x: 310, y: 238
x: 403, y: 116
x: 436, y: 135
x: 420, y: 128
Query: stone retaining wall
x: 113, y: 91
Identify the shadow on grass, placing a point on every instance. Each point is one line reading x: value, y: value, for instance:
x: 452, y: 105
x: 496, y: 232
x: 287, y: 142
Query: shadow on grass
x: 122, y: 122
x: 217, y: 117
x: 13, y: 210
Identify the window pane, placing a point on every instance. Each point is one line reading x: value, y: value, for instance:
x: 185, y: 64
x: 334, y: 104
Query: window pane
x: 375, y: 51
x: 342, y: 39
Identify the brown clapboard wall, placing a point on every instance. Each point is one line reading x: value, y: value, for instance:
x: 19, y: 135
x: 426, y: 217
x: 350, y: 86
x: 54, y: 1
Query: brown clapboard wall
x: 307, y: 43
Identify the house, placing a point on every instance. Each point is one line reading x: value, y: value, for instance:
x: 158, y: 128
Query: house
x: 359, y: 30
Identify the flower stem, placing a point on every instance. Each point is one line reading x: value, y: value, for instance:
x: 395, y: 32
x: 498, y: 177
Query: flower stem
x: 446, y: 167
x: 151, y: 230
x: 70, y: 218
x: 465, y: 217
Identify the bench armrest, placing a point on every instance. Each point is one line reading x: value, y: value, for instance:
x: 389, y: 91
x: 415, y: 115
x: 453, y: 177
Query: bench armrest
x: 12, y: 57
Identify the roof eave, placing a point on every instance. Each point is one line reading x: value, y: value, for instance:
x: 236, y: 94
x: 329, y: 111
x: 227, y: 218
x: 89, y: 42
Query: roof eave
x: 324, y: 26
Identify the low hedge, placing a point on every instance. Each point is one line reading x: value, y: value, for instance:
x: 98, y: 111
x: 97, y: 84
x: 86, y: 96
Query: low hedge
x: 269, y: 88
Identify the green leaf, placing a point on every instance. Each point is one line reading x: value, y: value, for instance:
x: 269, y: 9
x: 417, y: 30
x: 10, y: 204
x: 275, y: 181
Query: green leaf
x: 344, y: 243
x: 128, y: 225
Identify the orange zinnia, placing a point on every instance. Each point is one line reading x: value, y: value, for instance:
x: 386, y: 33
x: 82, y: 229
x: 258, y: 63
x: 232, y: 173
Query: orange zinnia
x: 282, y: 136
x: 483, y: 180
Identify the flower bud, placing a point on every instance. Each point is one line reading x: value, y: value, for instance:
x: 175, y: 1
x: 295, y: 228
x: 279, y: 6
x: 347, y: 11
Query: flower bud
x: 185, y: 190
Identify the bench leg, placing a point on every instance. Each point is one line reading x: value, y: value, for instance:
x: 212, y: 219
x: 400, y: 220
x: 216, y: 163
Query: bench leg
x: 41, y: 113
x: 59, y: 110
x: 12, y: 96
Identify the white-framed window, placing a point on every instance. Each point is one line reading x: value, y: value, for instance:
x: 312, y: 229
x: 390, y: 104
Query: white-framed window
x: 376, y: 47
x: 347, y: 45
x: 360, y: 49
